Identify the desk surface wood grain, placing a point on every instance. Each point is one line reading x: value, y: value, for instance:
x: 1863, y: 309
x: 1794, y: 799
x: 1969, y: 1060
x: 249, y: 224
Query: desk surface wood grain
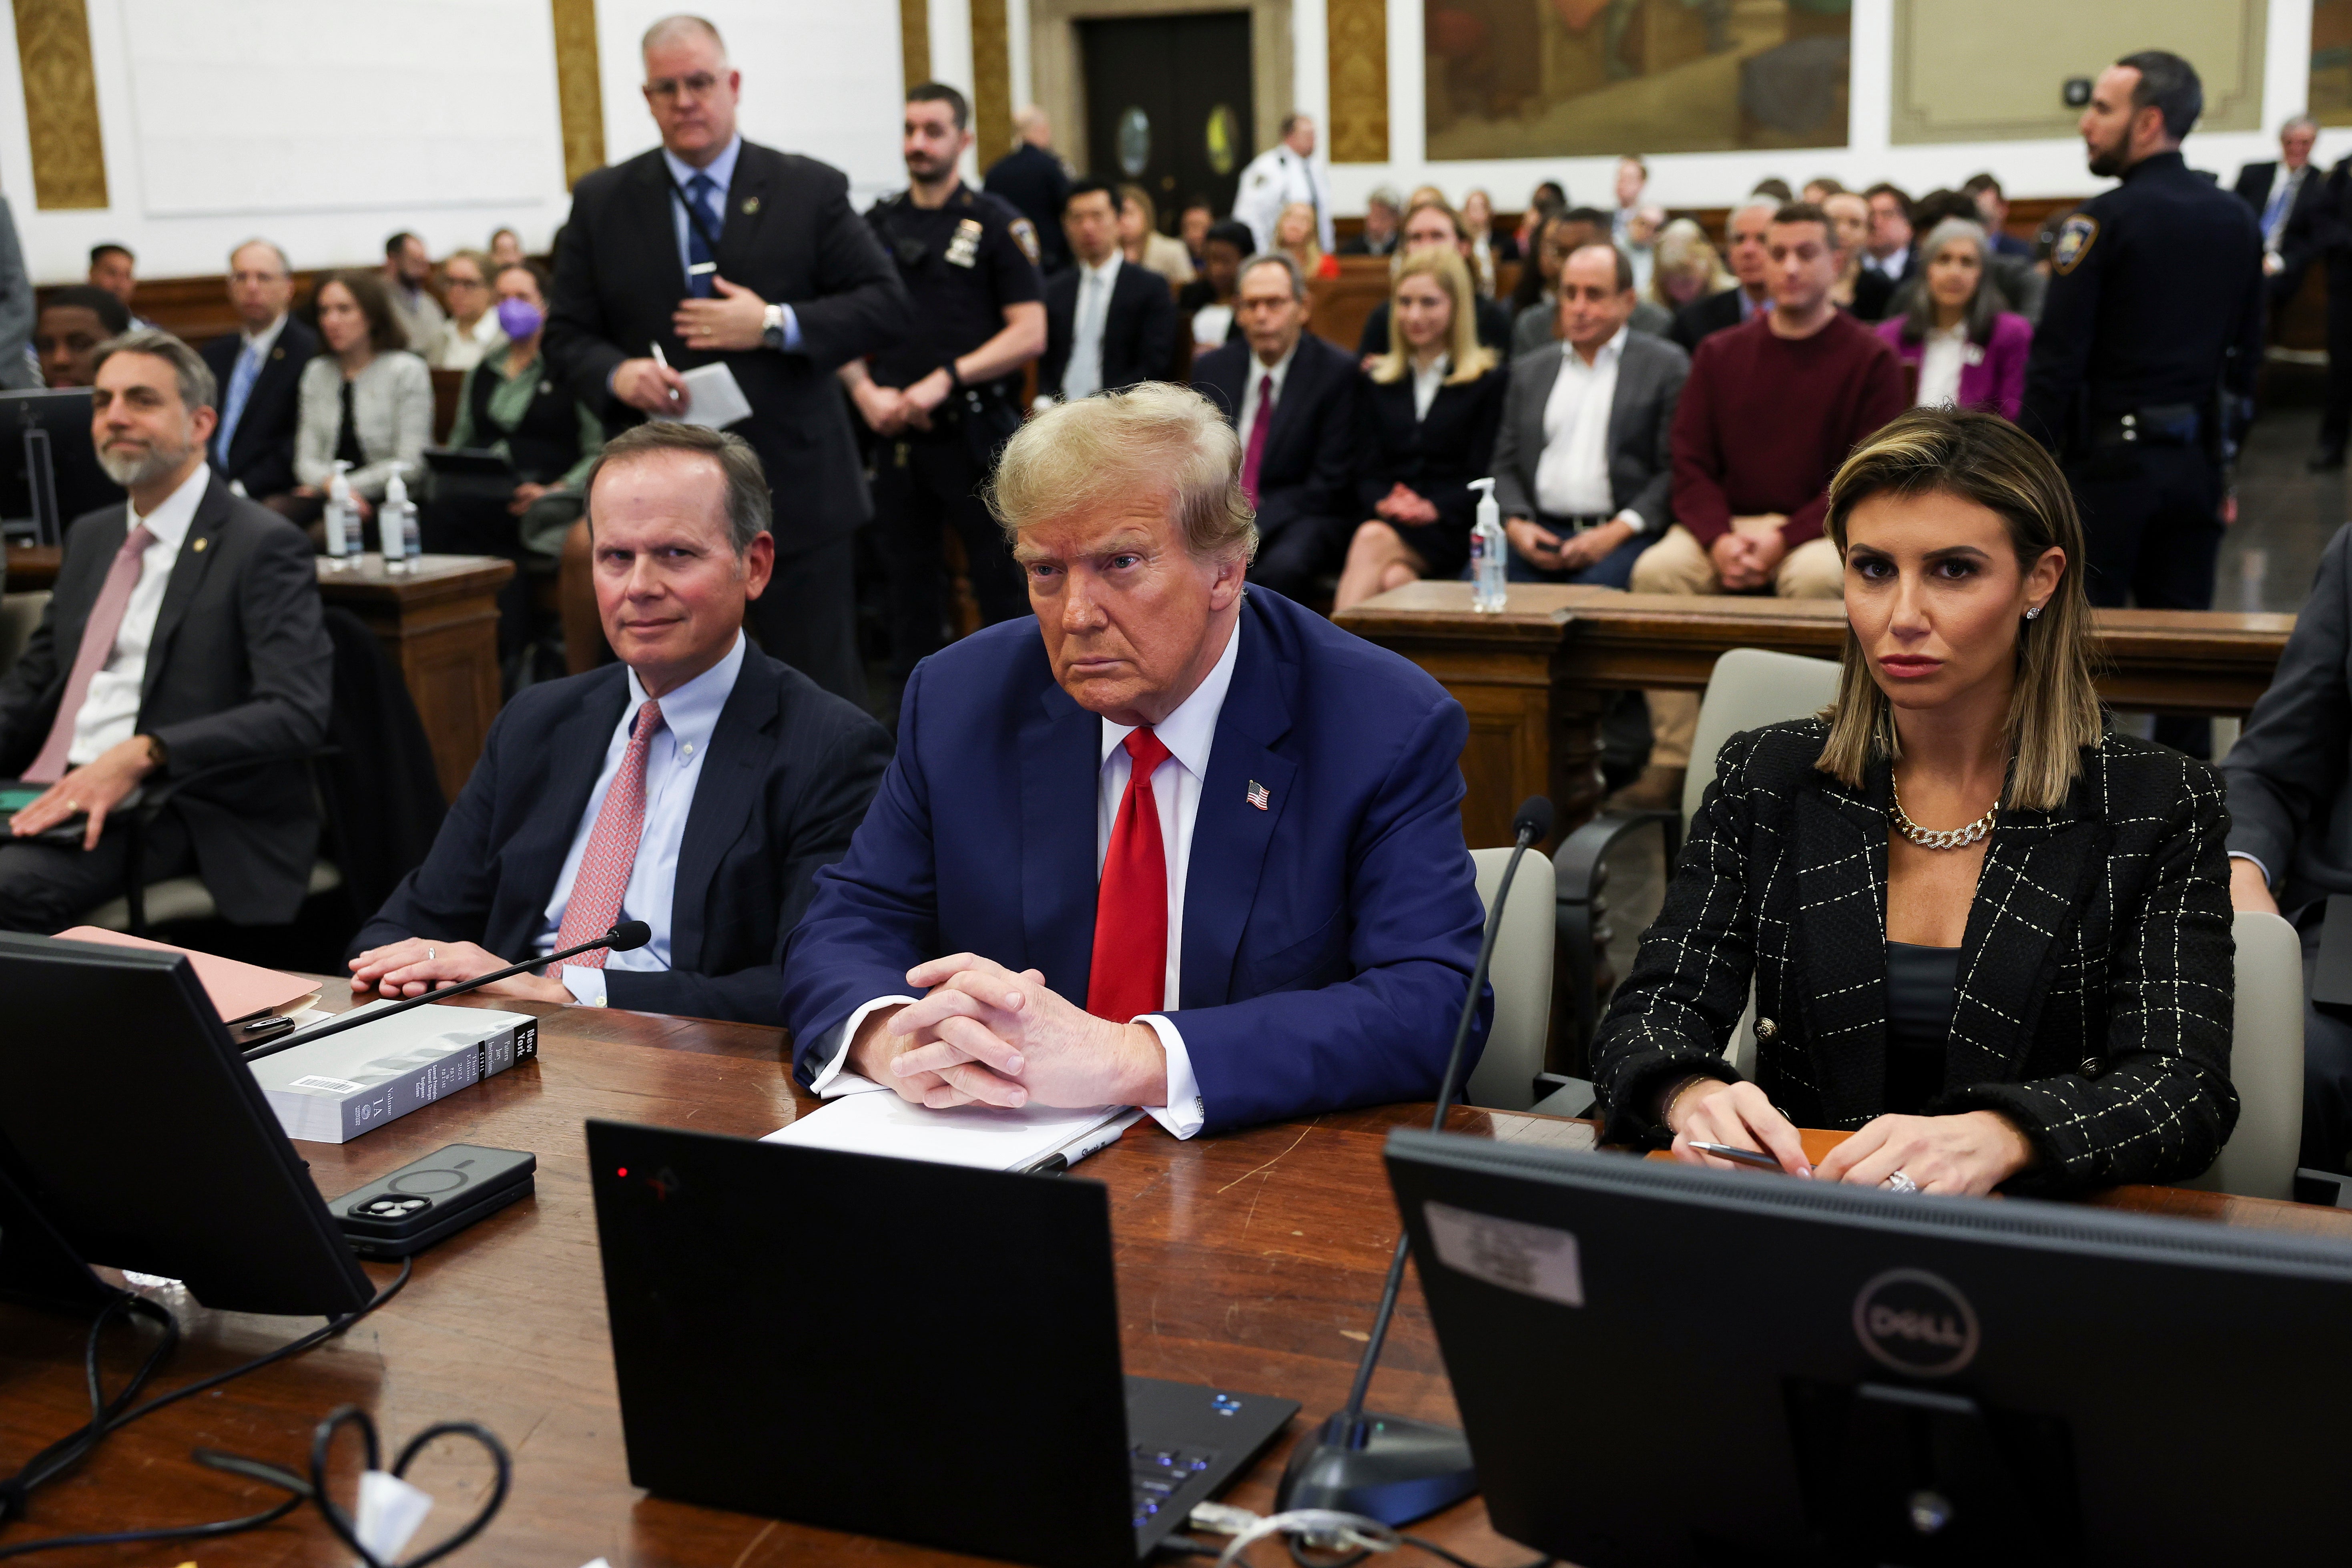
x: 1252, y: 1259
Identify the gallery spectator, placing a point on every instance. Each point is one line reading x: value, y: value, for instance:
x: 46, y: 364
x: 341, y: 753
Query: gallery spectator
x: 1108, y: 323
x: 1433, y: 226
x: 1865, y: 292
x: 1967, y: 351
x: 1205, y: 305
x: 259, y: 369
x: 1036, y: 183
x: 1549, y: 197
x: 1686, y: 267
x: 1992, y: 211
x: 407, y: 269
x: 366, y: 400
x: 506, y: 249
x: 1286, y: 175
x: 1821, y: 187
x: 1140, y: 241
x: 1294, y: 236
x: 1633, y: 179
x: 73, y: 321
x: 1192, y: 227
x: 472, y: 328
x: 1382, y: 213
x: 1751, y: 266
x: 113, y: 268
x: 1485, y: 248
x: 1889, y: 250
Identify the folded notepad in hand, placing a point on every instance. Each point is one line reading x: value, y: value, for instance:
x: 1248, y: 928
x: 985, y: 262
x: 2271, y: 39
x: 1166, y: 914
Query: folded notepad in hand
x: 987, y: 1136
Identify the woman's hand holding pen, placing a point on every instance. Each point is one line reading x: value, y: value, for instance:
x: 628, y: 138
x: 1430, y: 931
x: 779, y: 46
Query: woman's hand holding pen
x: 1737, y: 1115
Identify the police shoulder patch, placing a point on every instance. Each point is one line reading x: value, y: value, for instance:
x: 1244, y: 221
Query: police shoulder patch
x: 2073, y: 243
x: 1025, y: 235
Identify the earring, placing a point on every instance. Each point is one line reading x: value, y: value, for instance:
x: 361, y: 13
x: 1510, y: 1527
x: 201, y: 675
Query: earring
x: 2032, y: 611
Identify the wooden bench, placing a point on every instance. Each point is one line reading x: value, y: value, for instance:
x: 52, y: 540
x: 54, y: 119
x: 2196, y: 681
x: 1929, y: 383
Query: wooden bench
x: 1536, y: 678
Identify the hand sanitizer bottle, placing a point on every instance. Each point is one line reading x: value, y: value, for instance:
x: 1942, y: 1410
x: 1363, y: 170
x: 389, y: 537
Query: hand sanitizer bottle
x: 340, y: 520
x: 394, y: 521
x: 1488, y: 593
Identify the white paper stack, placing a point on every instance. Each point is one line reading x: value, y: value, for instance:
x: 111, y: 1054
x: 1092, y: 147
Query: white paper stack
x: 990, y: 1137
x: 331, y: 1090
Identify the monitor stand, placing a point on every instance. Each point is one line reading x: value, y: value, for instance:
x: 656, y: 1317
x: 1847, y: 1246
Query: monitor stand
x: 38, y: 1267
x: 1913, y: 1477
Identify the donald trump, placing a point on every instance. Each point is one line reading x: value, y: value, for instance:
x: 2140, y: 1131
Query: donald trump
x: 1174, y: 845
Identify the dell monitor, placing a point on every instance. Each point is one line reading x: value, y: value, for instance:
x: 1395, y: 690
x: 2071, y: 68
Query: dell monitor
x: 1663, y: 1365
x: 61, y: 417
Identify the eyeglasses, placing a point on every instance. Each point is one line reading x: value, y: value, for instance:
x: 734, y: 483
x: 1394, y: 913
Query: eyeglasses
x: 671, y: 89
x: 465, y: 283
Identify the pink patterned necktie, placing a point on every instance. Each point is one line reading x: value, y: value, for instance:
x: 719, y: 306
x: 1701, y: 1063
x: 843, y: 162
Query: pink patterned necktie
x: 97, y: 636
x: 1258, y: 427
x: 612, y: 851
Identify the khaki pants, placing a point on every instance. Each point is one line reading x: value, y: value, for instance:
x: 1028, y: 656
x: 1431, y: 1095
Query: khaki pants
x: 1679, y: 563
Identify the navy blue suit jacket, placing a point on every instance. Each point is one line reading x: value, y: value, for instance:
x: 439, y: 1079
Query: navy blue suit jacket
x: 787, y: 779
x: 1329, y: 939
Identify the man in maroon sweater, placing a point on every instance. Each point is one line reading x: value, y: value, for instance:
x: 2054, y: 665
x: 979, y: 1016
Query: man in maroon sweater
x: 1771, y: 408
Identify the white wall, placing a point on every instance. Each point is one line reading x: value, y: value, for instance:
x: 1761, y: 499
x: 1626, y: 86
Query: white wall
x: 2051, y: 168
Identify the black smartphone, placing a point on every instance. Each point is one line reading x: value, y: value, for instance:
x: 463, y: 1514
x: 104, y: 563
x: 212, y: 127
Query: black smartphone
x: 434, y: 1197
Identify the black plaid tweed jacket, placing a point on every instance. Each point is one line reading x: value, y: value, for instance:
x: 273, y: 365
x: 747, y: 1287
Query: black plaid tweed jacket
x: 2095, y: 977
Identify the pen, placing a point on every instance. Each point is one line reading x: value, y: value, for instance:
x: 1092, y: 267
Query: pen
x: 1737, y: 1156
x: 662, y: 360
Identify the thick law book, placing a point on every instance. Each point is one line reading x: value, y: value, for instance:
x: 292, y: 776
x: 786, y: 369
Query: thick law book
x: 333, y: 1089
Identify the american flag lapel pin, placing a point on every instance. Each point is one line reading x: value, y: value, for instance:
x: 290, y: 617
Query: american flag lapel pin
x: 1257, y: 795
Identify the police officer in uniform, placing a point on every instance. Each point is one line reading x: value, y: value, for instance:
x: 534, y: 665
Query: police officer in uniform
x: 944, y: 399
x: 2146, y: 354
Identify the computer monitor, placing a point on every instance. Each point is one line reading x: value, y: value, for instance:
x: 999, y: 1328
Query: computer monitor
x: 1658, y: 1365
x: 63, y: 416
x: 133, y: 1134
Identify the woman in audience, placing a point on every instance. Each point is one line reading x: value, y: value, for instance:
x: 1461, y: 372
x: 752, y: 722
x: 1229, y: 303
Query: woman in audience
x: 1968, y: 351
x: 1427, y: 425
x: 1294, y: 236
x: 1535, y: 297
x: 1550, y: 196
x: 472, y: 328
x: 1486, y: 247
x: 1986, y: 936
x: 1206, y: 303
x: 1143, y: 244
x: 1687, y: 266
x: 506, y: 249
x: 366, y: 400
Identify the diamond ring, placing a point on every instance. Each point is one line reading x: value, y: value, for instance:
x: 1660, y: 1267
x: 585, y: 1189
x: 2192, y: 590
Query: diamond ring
x: 1899, y: 1183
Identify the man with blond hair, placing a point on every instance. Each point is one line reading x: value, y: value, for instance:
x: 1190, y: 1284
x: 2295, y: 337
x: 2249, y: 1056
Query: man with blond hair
x: 1148, y: 850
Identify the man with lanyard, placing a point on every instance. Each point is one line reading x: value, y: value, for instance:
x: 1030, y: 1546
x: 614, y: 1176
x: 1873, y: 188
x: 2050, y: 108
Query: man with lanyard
x: 2155, y: 307
x: 1283, y: 173
x: 946, y: 397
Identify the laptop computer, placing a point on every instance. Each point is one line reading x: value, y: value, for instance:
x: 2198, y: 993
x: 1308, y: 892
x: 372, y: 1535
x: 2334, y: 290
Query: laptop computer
x: 920, y: 1352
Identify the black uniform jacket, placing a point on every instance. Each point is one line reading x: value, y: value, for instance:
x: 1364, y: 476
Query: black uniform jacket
x: 2095, y: 977
x: 791, y: 238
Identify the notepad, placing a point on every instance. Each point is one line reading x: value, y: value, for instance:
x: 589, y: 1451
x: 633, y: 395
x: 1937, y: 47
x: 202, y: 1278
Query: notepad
x: 714, y: 398
x: 986, y: 1136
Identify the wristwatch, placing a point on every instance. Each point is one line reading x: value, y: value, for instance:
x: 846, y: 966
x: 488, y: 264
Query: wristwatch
x: 772, y: 326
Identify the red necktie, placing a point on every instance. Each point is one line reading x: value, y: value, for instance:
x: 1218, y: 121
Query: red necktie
x: 612, y: 852
x: 97, y: 646
x: 1129, y: 976
x: 1258, y: 427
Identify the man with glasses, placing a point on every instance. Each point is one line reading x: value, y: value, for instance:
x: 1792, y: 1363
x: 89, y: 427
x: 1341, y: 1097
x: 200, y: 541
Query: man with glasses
x: 259, y: 369
x: 768, y: 272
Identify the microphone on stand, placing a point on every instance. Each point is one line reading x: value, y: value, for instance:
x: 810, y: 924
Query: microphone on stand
x: 622, y: 938
x: 1390, y: 1467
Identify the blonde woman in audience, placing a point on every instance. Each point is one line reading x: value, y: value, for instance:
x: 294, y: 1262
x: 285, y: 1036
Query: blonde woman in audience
x: 1986, y: 936
x: 1429, y: 195
x: 1143, y: 244
x: 1684, y: 267
x: 1294, y: 236
x: 365, y: 399
x: 506, y: 249
x: 472, y: 328
x: 1426, y: 427
x: 1968, y: 351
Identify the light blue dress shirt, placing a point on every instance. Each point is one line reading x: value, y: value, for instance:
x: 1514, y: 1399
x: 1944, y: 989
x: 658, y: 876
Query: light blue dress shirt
x: 721, y: 170
x: 673, y: 765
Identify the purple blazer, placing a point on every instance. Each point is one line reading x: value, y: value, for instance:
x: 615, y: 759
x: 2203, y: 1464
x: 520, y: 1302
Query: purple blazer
x: 1995, y: 378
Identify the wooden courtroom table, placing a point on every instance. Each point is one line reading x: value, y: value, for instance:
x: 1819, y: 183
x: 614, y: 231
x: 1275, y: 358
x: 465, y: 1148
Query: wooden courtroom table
x: 1251, y: 1260
x: 439, y: 622
x: 1536, y: 677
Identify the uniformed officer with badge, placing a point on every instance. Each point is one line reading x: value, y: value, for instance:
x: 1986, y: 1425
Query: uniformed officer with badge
x: 1283, y: 173
x: 2145, y: 358
x: 946, y: 398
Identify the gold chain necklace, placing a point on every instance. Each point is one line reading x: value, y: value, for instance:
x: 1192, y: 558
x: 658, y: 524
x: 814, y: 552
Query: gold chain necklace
x: 1925, y: 838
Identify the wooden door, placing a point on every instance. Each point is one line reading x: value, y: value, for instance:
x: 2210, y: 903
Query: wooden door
x: 1168, y: 106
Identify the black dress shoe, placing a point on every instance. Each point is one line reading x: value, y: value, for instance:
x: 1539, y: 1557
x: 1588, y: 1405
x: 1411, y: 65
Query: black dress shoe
x: 2327, y: 460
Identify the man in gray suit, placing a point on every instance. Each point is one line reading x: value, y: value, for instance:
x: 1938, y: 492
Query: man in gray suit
x: 2290, y: 783
x: 1584, y: 471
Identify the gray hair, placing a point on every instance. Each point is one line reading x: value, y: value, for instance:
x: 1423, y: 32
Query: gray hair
x: 1386, y: 195
x: 1102, y: 450
x: 1753, y: 203
x: 198, y: 389
x: 1983, y: 305
x: 670, y: 28
x: 748, y: 505
x: 276, y: 250
x: 1281, y: 258
x: 2298, y: 123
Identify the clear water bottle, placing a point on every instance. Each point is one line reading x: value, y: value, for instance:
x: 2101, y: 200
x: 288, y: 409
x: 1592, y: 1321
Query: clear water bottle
x: 397, y: 521
x: 342, y: 521
x: 1488, y: 545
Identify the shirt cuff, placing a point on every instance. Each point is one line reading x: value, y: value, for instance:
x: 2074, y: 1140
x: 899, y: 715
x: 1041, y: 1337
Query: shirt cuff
x: 831, y: 1081
x: 586, y: 984
x: 1183, y: 1115
x: 792, y: 324
x: 1630, y: 515
x: 2255, y: 862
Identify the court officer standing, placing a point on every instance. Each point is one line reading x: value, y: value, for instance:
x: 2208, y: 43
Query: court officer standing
x: 2147, y: 350
x: 946, y: 397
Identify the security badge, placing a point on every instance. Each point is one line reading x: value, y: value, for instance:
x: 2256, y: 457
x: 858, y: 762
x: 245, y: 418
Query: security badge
x: 2073, y: 243
x: 964, y: 249
x: 1025, y: 235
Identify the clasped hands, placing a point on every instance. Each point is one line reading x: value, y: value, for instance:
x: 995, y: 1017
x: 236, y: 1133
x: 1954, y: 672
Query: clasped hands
x: 1747, y: 554
x: 894, y: 410
x: 984, y: 1034
x: 1543, y: 548
x: 416, y: 965
x: 1970, y: 1154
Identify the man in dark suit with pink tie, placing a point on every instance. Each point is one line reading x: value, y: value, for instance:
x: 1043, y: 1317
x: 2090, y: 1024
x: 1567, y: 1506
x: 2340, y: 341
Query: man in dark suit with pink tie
x: 1173, y: 846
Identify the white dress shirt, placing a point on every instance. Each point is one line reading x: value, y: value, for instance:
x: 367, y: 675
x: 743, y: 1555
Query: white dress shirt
x: 1572, y: 474
x: 1258, y: 371
x: 673, y: 767
x: 1082, y: 377
x: 259, y: 343
x: 721, y: 170
x: 109, y: 710
x: 460, y: 347
x: 1426, y: 380
x: 2281, y: 208
x: 1188, y: 732
x: 1270, y: 182
x: 1893, y: 265
x: 1941, y: 353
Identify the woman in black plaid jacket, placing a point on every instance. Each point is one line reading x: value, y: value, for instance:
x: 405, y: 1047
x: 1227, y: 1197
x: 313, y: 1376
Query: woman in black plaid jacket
x: 2034, y: 991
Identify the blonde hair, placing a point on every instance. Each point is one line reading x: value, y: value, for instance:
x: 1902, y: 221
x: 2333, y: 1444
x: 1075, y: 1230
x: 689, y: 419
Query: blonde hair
x: 1311, y: 247
x: 1100, y: 451
x: 1471, y: 359
x: 1683, y: 247
x: 2053, y: 708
